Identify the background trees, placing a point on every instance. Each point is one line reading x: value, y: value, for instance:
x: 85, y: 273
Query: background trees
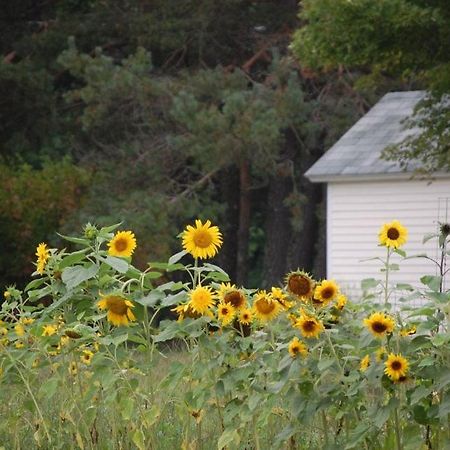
x: 160, y: 112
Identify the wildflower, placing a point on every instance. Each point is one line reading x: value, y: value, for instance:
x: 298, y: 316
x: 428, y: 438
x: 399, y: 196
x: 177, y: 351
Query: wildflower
x: 309, y: 326
x: 279, y: 296
x: 202, y: 241
x: 364, y: 364
x: 185, y: 310
x: 393, y: 234
x: 49, y: 330
x: 408, y: 331
x: 300, y: 284
x: 264, y: 308
x: 119, y: 309
x: 19, y: 329
x: 379, y: 324
x: 246, y: 316
x: 6, y: 295
x: 225, y: 312
x: 341, y: 301
x: 73, y: 369
x: 43, y: 255
x: 230, y: 294
x: 122, y: 244
x: 325, y: 292
x: 297, y: 347
x: 27, y: 320
x: 380, y: 354
x: 19, y: 344
x: 86, y: 357
x: 396, y: 366
x: 201, y: 299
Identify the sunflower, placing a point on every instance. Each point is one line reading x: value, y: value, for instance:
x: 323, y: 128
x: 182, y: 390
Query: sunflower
x: 396, y: 366
x: 43, y: 254
x: 119, y: 309
x: 408, y: 331
x: 264, y: 308
x: 279, y: 296
x: 325, y: 292
x: 231, y: 294
x: 201, y: 299
x: 309, y: 326
x: 185, y: 310
x: 380, y: 354
x: 86, y: 357
x: 225, y: 313
x: 364, y: 364
x: 341, y: 301
x: 202, y: 241
x: 297, y: 347
x: 246, y: 316
x: 379, y: 324
x: 122, y: 244
x: 300, y: 284
x: 73, y: 369
x: 49, y: 330
x: 393, y: 234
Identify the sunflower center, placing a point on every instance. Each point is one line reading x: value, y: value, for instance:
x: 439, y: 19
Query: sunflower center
x: 379, y: 327
x: 295, y: 349
x: 202, y: 239
x: 117, y: 305
x: 121, y: 244
x: 299, y: 285
x: 264, y: 306
x: 393, y: 234
x: 234, y: 298
x: 309, y: 325
x: 224, y: 311
x: 396, y: 365
x: 328, y: 293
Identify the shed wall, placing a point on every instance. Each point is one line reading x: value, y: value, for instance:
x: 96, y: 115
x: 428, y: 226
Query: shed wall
x: 355, y: 213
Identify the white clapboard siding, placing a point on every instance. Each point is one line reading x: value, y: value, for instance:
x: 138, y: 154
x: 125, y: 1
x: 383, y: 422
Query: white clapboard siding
x: 357, y: 210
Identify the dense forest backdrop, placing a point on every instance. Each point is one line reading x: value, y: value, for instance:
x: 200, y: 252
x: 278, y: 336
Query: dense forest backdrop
x: 157, y: 112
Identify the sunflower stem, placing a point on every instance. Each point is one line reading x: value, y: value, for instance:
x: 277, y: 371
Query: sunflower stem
x: 325, y: 427
x: 397, y: 430
x: 386, y: 279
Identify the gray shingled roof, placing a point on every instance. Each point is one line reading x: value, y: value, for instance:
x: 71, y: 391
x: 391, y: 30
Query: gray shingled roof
x: 357, y: 152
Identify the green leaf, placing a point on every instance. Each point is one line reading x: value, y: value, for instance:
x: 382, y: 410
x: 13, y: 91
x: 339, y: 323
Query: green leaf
x: 34, y: 284
x: 110, y: 228
x: 175, y: 299
x: 138, y: 439
x: 400, y: 252
x: 227, y: 437
x: 369, y: 283
x: 325, y: 363
x: 433, y: 282
x: 429, y: 236
x: 48, y: 388
x: 175, y: 258
x: 73, y: 258
x: 126, y: 407
x: 75, y: 240
x: 151, y: 299
x: 118, y: 264
x: 357, y: 435
x: 420, y: 393
x: 73, y: 276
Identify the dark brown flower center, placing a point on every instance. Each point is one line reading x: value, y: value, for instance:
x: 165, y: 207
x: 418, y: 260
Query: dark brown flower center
x: 202, y: 238
x: 117, y: 305
x: 235, y: 298
x: 121, y: 244
x: 393, y: 233
x: 295, y: 349
x: 299, y: 285
x: 379, y: 327
x: 396, y: 365
x: 309, y: 326
x: 328, y: 293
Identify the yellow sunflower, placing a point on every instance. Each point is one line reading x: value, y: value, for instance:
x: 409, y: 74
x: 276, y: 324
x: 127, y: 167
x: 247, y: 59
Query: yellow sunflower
x: 364, y: 364
x: 309, y: 326
x: 379, y: 324
x: 185, y: 310
x: 246, y: 316
x: 122, y: 244
x: 393, y: 234
x: 325, y: 292
x: 43, y: 254
x: 408, y: 331
x: 86, y: 357
x: 119, y: 309
x: 300, y: 284
x: 202, y: 241
x: 297, y: 347
x: 396, y: 366
x: 49, y: 330
x: 341, y: 301
x: 73, y: 369
x: 279, y: 296
x: 225, y: 313
x: 201, y: 299
x: 264, y: 308
x: 380, y: 354
x: 229, y: 293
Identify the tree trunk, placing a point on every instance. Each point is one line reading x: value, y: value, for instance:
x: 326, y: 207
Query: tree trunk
x: 244, y: 223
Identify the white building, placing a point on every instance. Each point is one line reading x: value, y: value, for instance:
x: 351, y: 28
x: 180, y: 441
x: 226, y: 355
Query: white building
x: 364, y: 191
